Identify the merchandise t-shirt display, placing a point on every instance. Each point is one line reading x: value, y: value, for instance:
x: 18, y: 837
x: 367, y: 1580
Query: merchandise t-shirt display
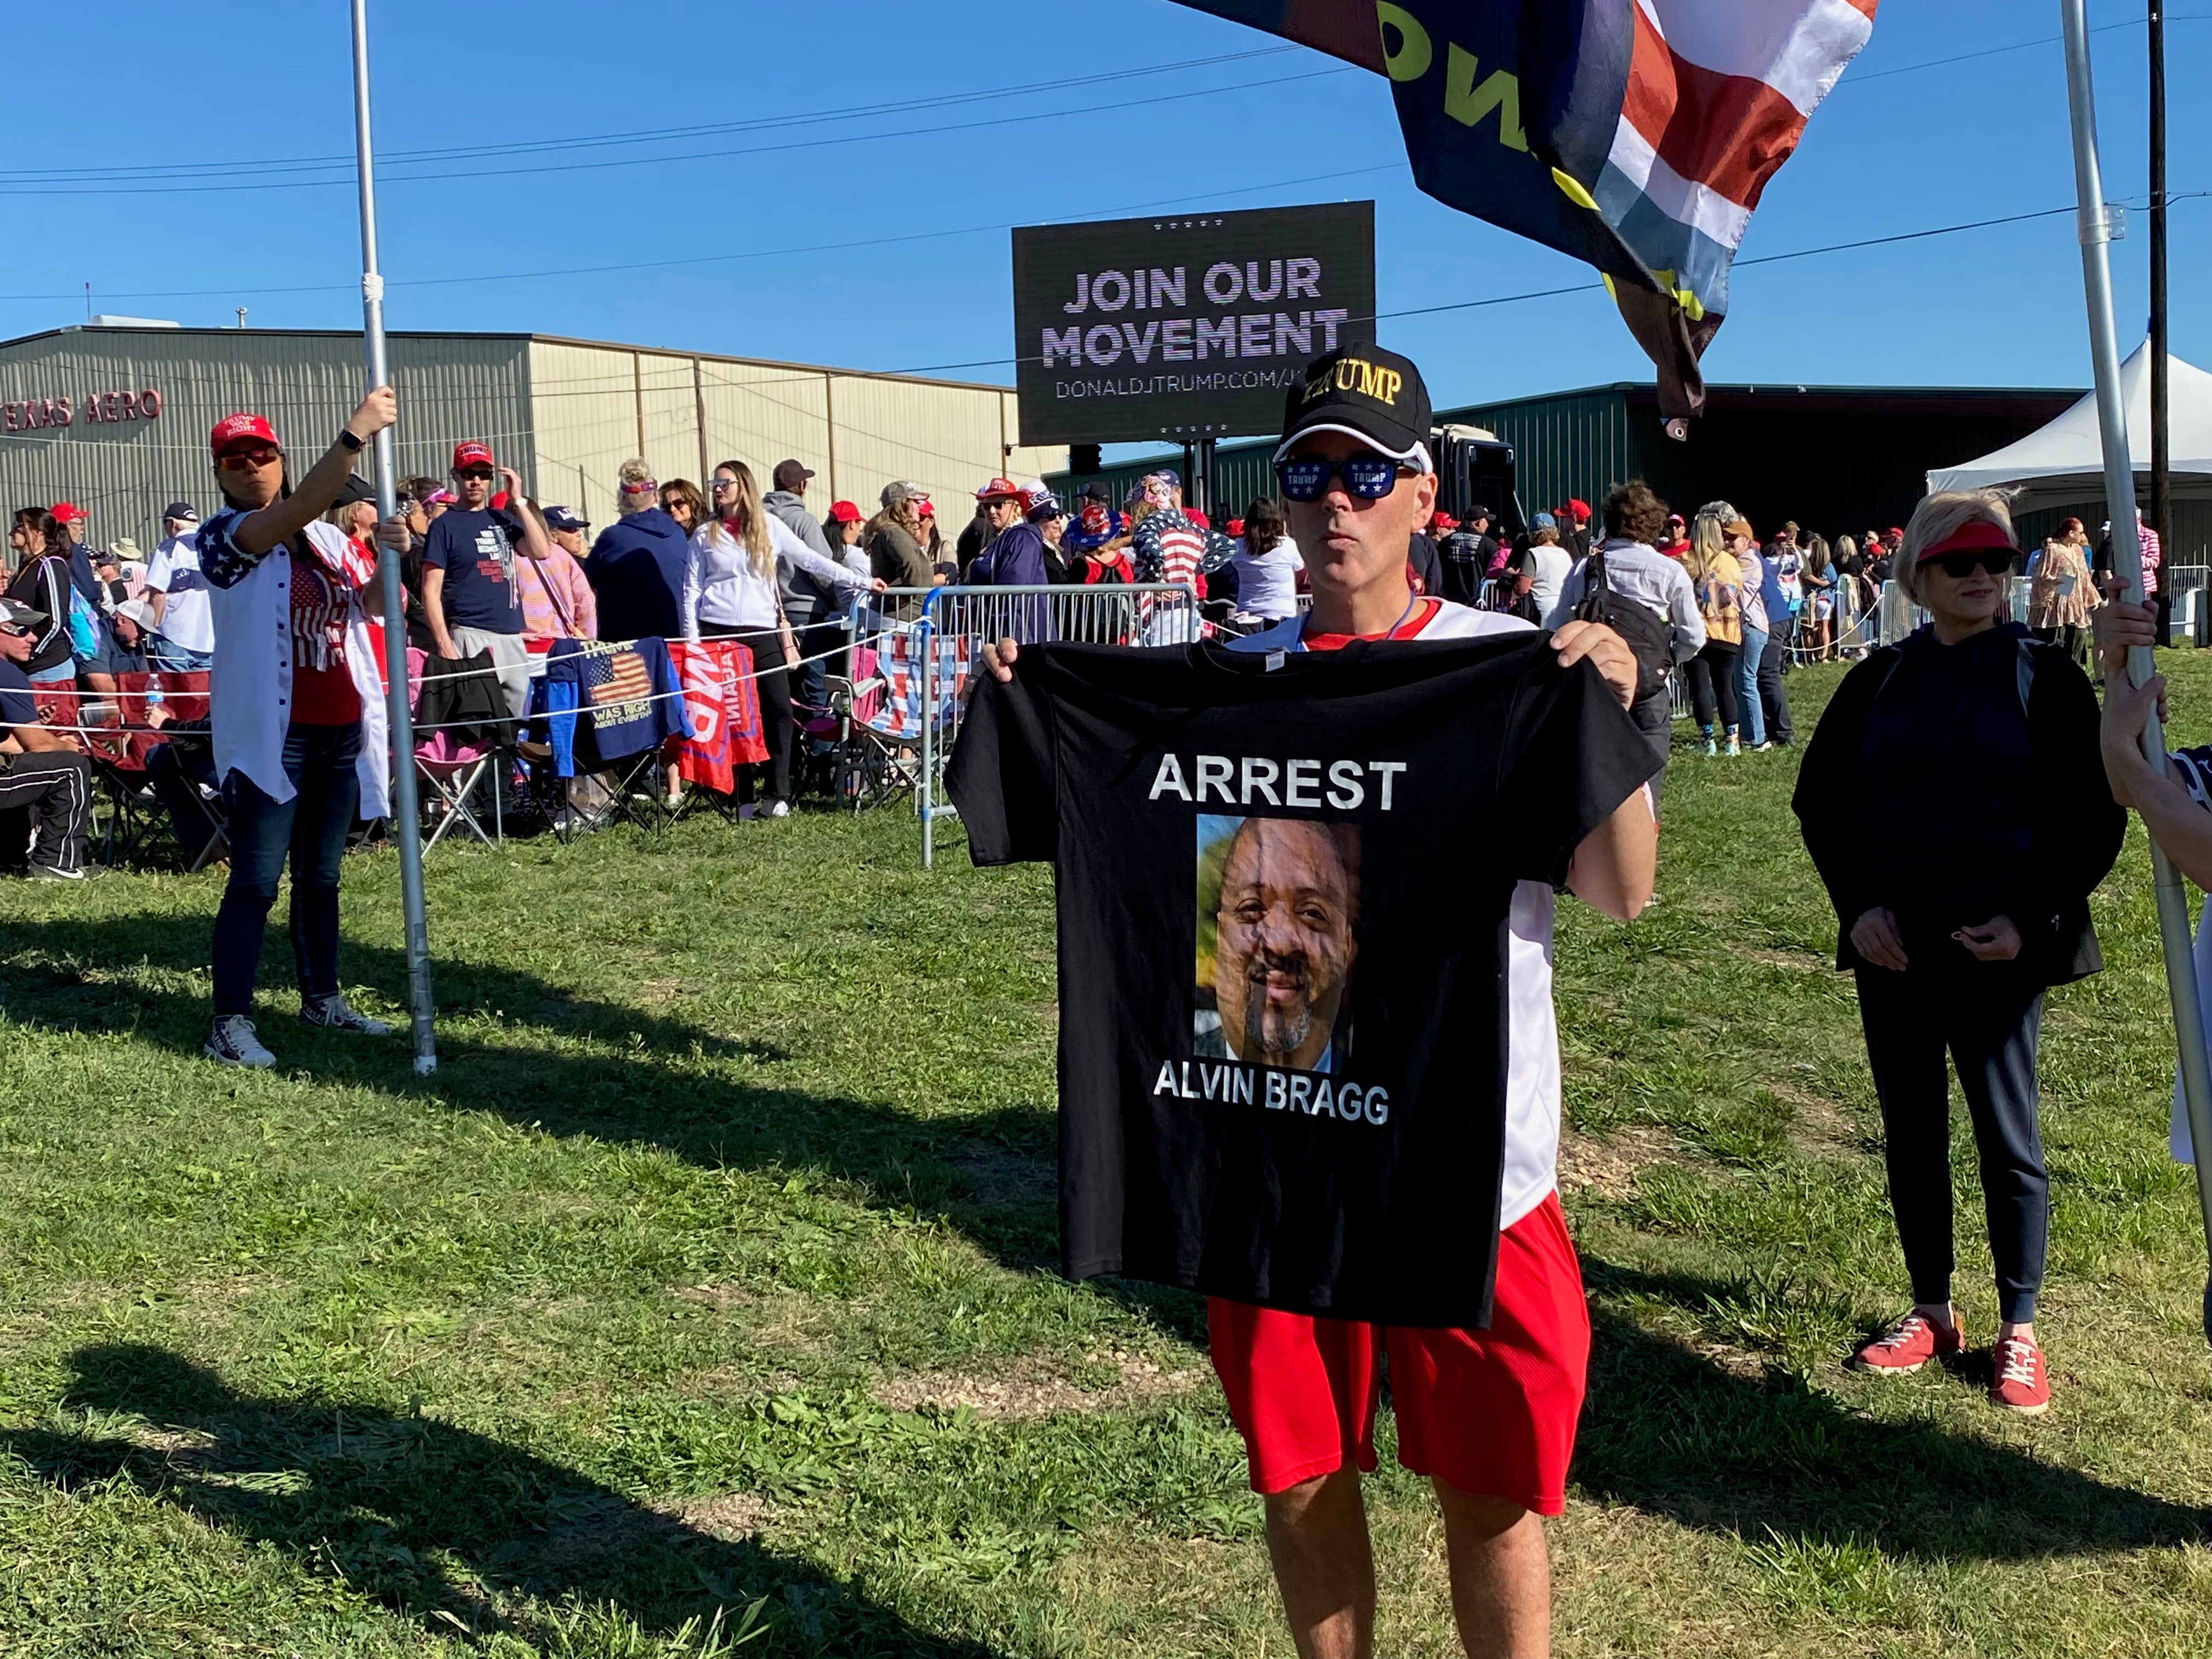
x: 1290, y: 1054
x: 323, y: 691
x: 476, y: 552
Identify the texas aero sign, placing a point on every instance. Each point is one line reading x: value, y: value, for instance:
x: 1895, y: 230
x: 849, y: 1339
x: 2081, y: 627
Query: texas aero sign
x: 1184, y: 328
x: 38, y: 414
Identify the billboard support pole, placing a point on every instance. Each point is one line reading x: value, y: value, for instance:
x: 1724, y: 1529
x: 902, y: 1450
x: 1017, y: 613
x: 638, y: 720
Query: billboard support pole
x: 2095, y: 228
x: 1201, y: 472
x: 407, y: 818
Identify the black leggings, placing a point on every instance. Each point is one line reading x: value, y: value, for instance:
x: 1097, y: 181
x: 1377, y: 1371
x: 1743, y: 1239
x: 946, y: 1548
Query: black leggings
x: 774, y: 685
x: 2068, y: 635
x: 1712, y: 680
x: 1987, y: 1019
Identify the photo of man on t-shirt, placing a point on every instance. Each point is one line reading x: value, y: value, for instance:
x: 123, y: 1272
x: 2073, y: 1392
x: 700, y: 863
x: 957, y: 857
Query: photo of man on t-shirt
x: 1278, y: 899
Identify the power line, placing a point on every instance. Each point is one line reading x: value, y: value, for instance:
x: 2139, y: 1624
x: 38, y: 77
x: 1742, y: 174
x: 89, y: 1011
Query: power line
x: 1585, y: 287
x: 1851, y: 80
x: 477, y: 174
x: 137, y: 172
x: 699, y: 259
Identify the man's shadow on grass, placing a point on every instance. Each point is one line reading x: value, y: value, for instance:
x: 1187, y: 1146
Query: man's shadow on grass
x: 638, y: 1075
x: 449, y: 1526
x: 1675, y: 1433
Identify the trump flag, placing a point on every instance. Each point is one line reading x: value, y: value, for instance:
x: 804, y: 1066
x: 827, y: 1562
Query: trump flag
x: 1636, y: 134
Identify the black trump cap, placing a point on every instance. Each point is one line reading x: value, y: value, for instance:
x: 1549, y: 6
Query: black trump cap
x: 1368, y: 393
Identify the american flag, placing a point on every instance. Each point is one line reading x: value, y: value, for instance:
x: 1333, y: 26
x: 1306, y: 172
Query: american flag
x: 1634, y: 134
x: 616, y: 675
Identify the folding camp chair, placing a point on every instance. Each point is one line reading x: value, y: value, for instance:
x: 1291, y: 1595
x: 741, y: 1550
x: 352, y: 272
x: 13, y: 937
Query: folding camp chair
x: 456, y: 764
x: 894, y: 732
x: 183, y: 799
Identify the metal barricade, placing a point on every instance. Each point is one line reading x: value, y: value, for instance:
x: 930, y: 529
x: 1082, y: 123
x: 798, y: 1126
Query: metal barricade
x: 929, y: 643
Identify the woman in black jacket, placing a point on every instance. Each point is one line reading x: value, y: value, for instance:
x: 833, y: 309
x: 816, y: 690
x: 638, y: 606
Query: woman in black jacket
x: 1955, y: 801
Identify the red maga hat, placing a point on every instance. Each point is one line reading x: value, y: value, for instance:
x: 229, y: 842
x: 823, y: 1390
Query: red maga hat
x: 69, y: 513
x: 844, y: 512
x: 998, y: 489
x: 471, y: 451
x: 241, y: 428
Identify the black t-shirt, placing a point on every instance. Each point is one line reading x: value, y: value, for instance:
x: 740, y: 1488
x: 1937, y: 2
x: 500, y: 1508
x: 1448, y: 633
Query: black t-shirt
x: 1283, y: 1038
x: 476, y: 552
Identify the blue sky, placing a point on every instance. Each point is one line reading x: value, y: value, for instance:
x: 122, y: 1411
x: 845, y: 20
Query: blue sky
x: 1890, y: 152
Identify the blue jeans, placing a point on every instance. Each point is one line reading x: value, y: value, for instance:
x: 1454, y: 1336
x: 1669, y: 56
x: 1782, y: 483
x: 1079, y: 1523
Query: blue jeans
x: 312, y: 827
x: 1746, y: 685
x: 169, y: 657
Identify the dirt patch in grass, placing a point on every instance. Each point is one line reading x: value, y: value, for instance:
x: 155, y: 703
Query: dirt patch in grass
x: 1608, y: 1166
x: 1798, y: 962
x: 1819, y: 1124
x: 1033, y: 1390
x: 732, y: 1516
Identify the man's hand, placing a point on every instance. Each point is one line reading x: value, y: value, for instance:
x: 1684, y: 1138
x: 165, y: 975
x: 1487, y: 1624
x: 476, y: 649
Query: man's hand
x: 392, y: 534
x: 878, y: 584
x: 1994, y: 940
x: 1606, y: 651
x: 377, y: 410
x: 17, y: 647
x: 1876, y: 937
x: 2120, y: 626
x: 512, y: 481
x: 1000, y: 659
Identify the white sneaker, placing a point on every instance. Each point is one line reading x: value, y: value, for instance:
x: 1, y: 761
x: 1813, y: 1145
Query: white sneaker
x: 232, y: 1042
x: 778, y: 809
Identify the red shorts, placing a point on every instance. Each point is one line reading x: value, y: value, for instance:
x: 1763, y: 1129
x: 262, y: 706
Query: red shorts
x: 1489, y: 1412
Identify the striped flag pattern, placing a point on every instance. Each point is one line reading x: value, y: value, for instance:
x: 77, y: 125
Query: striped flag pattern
x: 1636, y: 135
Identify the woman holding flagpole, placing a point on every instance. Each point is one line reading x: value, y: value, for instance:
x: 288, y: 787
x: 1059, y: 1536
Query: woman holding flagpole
x: 297, y: 711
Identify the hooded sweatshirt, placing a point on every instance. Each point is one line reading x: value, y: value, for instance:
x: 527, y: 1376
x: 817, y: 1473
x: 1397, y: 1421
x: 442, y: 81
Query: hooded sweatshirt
x: 636, y: 569
x: 805, y: 600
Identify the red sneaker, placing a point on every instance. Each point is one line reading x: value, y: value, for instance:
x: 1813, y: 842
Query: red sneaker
x: 1908, y: 1345
x: 2022, y: 1382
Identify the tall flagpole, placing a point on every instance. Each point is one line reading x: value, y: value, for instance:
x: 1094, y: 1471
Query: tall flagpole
x: 407, y: 822
x: 2096, y: 230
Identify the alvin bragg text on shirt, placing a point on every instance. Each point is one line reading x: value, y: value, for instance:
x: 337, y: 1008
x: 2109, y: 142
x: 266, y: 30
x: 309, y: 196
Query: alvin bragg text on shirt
x: 1235, y: 1083
x: 1255, y: 780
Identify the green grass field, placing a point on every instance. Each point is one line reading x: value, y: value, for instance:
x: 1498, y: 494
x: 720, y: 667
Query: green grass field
x: 702, y: 1300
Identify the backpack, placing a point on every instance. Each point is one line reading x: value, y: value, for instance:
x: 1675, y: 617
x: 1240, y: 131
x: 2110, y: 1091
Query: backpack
x: 1649, y: 637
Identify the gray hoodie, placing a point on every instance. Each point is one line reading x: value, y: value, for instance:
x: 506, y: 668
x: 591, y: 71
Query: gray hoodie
x: 804, y: 601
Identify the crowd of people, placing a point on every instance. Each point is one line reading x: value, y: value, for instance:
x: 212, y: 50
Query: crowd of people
x: 1962, y: 799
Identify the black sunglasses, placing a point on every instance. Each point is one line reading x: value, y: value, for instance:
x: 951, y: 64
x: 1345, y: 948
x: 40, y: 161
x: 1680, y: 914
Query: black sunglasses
x: 1959, y: 566
x: 1306, y: 477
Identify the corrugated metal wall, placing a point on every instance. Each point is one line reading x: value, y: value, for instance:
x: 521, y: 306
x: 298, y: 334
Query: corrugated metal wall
x: 125, y: 472
x: 858, y: 431
x: 566, y: 414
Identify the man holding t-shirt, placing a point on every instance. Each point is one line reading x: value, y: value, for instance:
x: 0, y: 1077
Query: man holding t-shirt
x: 1488, y: 1413
x: 469, y: 595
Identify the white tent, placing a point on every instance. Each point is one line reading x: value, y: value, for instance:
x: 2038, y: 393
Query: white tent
x: 2062, y: 465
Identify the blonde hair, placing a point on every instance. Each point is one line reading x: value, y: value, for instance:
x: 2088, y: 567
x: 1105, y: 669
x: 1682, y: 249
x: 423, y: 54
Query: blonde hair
x: 1941, y: 516
x: 635, y: 487
x: 1708, y: 559
x: 749, y: 521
